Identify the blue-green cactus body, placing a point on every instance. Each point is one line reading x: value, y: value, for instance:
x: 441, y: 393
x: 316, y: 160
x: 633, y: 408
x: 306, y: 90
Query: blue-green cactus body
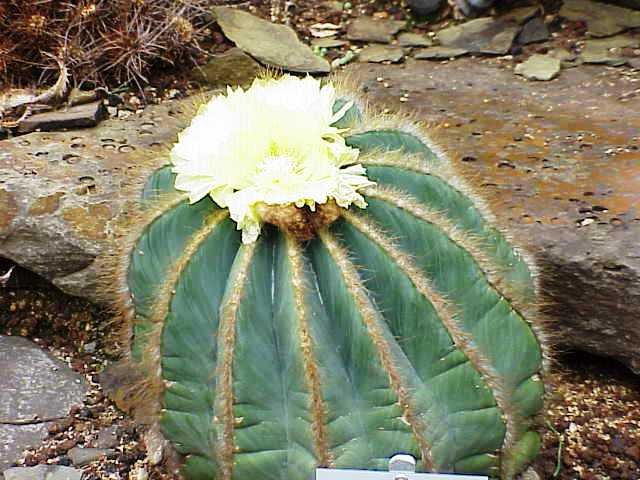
x: 398, y: 328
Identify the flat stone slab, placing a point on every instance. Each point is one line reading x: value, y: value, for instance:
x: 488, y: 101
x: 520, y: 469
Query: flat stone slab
x: 482, y: 35
x: 14, y: 439
x: 535, y: 30
x: 603, y: 50
x: 270, y: 43
x: 43, y: 472
x: 80, y: 116
x: 35, y: 388
x: 414, y: 40
x: 381, y: 53
x: 369, y: 29
x: 522, y: 14
x: 81, y: 456
x: 558, y: 162
x: 539, y: 67
x: 602, y: 19
x: 437, y: 53
x: 233, y: 68
x: 328, y: 42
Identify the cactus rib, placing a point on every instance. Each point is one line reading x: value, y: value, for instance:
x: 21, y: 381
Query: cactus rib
x: 318, y: 406
x: 226, y: 343
x: 379, y: 335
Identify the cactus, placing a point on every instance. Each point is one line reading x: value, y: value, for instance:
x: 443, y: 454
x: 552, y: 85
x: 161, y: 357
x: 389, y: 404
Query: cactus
x: 408, y: 326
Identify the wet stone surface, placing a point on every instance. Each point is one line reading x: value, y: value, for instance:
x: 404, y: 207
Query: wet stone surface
x: 61, y: 192
x: 559, y: 163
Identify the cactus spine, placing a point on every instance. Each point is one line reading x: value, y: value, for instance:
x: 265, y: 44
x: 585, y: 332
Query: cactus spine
x: 408, y: 326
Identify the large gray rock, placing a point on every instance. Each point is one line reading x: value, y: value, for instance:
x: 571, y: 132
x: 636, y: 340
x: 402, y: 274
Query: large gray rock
x: 61, y: 192
x: 558, y: 162
x: 271, y: 43
x: 35, y: 389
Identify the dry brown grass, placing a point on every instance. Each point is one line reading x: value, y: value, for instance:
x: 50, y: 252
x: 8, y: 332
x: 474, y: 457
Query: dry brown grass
x: 108, y: 42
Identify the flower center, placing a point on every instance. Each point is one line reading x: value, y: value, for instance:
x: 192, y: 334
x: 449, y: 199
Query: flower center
x: 302, y: 223
x: 275, y: 169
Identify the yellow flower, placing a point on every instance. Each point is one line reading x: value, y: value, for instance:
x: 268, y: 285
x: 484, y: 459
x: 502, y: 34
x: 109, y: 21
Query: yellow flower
x: 272, y: 144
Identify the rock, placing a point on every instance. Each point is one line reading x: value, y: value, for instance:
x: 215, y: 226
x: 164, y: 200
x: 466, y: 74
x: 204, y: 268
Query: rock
x: 438, y: 53
x: 535, y: 30
x: 414, y: 40
x: 324, y: 30
x: 539, y: 67
x: 482, y: 35
x: 381, y: 53
x: 270, y: 43
x: 80, y: 97
x: 571, y: 147
x: 369, y: 29
x: 530, y: 474
x: 79, y: 116
x: 601, y: 56
x: 471, y: 8
x: 140, y: 474
x: 567, y: 59
x: 116, y: 380
x: 43, y: 472
x: 35, y: 390
x: 333, y: 6
x: 602, y: 50
x: 108, y: 437
x: 563, y: 55
x: 424, y: 7
x: 81, y: 456
x: 156, y: 445
x: 61, y: 193
x: 602, y: 19
x: 233, y: 67
x: 619, y: 41
x: 328, y: 42
x: 521, y: 15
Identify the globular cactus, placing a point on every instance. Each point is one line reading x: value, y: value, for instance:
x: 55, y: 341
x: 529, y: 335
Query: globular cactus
x: 406, y: 326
